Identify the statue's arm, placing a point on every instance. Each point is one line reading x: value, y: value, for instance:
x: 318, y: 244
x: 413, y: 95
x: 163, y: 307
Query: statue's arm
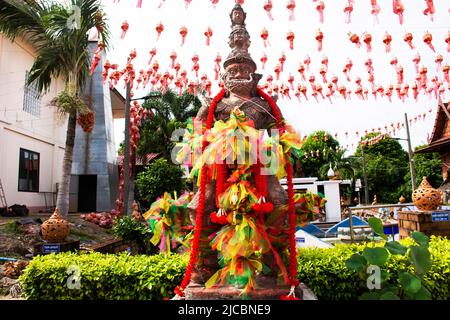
x: 202, y: 113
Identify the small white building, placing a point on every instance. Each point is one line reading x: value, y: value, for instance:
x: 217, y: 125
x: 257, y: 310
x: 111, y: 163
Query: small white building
x: 33, y: 134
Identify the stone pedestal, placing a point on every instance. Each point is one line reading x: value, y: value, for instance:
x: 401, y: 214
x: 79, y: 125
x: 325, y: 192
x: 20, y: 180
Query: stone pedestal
x: 267, y: 289
x: 410, y: 221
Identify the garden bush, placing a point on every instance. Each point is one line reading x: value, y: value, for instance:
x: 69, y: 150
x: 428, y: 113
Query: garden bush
x: 106, y: 276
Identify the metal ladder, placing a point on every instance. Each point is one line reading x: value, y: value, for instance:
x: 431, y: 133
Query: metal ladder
x: 2, y: 196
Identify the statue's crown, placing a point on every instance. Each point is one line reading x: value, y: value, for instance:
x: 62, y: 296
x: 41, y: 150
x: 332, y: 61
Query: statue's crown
x: 239, y: 39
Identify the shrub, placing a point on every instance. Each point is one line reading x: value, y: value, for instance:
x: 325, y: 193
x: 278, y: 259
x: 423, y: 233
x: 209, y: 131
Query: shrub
x: 105, y: 276
x: 158, y: 178
x: 129, y: 229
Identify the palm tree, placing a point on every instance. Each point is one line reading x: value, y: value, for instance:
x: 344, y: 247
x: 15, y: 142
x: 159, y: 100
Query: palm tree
x: 170, y: 111
x: 62, y: 51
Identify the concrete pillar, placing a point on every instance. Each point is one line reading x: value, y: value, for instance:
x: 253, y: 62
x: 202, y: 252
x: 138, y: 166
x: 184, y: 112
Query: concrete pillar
x: 333, y: 204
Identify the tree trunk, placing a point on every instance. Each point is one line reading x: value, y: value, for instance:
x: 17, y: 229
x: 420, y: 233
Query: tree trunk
x: 62, y: 202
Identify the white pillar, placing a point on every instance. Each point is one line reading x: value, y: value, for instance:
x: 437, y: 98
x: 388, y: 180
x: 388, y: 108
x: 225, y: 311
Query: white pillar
x: 333, y: 204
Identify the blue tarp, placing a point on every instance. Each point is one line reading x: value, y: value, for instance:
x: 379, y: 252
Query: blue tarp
x: 313, y: 229
x: 346, y: 224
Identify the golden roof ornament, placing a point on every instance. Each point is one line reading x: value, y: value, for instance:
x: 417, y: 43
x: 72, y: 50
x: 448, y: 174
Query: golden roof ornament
x: 425, y: 197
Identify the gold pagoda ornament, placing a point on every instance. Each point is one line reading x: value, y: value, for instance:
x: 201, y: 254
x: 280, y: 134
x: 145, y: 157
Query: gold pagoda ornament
x: 426, y: 198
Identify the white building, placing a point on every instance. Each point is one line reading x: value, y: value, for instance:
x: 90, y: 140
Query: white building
x: 32, y: 134
x: 32, y: 137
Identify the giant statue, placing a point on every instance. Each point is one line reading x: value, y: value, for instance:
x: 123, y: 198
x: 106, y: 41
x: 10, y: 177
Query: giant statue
x: 244, y: 220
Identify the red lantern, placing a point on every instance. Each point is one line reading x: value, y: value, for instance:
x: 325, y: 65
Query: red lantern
x: 354, y: 38
x: 343, y: 92
x: 445, y: 70
x: 393, y: 61
x: 177, y: 68
x: 400, y: 74
x: 195, y: 58
x: 95, y: 61
x: 291, y: 81
x: 132, y: 55
x: 320, y: 7
x: 301, y: 70
x: 307, y: 61
x: 139, y: 4
x: 367, y: 38
x: 335, y: 79
x: 268, y: 8
x: 408, y: 37
x: 183, y: 33
x: 152, y: 55
x: 319, y: 39
x: 159, y: 28
x: 416, y: 61
x: 290, y: 37
x: 429, y: 10
x: 348, y: 11
x: 187, y: 3
x: 324, y: 61
x: 387, y: 39
x: 214, y: 2
x: 208, y: 34
x: 217, y: 61
x: 265, y: 36
x: 427, y: 38
x: 438, y: 60
x: 282, y: 60
x: 375, y: 10
x: 423, y: 76
x: 447, y: 40
x: 277, y: 70
x: 291, y: 6
x: 263, y: 60
x: 173, y: 57
x: 323, y: 73
x: 398, y: 8
x: 124, y: 28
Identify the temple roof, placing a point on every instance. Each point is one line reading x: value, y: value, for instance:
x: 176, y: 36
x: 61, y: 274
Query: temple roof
x: 440, y: 137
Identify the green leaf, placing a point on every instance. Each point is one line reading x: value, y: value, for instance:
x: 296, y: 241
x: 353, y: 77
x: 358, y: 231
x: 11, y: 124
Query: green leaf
x: 370, y: 296
x: 377, y: 226
x: 395, y: 247
x: 423, y: 294
x: 420, y: 239
x: 389, y: 296
x: 410, y: 282
x: 376, y: 256
x: 420, y: 257
x: 391, y: 289
x: 356, y: 262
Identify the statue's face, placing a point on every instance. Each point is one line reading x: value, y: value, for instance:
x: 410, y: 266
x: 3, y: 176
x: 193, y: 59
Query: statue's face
x: 238, y: 78
x: 238, y: 17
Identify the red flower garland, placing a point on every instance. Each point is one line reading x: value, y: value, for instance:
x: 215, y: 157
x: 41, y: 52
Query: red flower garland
x: 201, y: 205
x: 289, y: 170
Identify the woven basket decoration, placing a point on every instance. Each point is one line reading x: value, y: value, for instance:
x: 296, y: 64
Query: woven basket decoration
x: 426, y: 198
x: 55, y: 229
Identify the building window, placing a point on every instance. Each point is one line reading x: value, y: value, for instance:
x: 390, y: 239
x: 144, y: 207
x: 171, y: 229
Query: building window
x: 31, y: 98
x: 28, y: 171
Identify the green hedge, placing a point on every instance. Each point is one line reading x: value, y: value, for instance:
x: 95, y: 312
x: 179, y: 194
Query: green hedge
x: 103, y: 276
x: 106, y: 276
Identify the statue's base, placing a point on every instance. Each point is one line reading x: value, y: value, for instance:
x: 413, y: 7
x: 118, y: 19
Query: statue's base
x: 265, y: 291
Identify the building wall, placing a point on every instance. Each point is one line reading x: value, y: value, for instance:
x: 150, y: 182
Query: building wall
x: 44, y: 133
